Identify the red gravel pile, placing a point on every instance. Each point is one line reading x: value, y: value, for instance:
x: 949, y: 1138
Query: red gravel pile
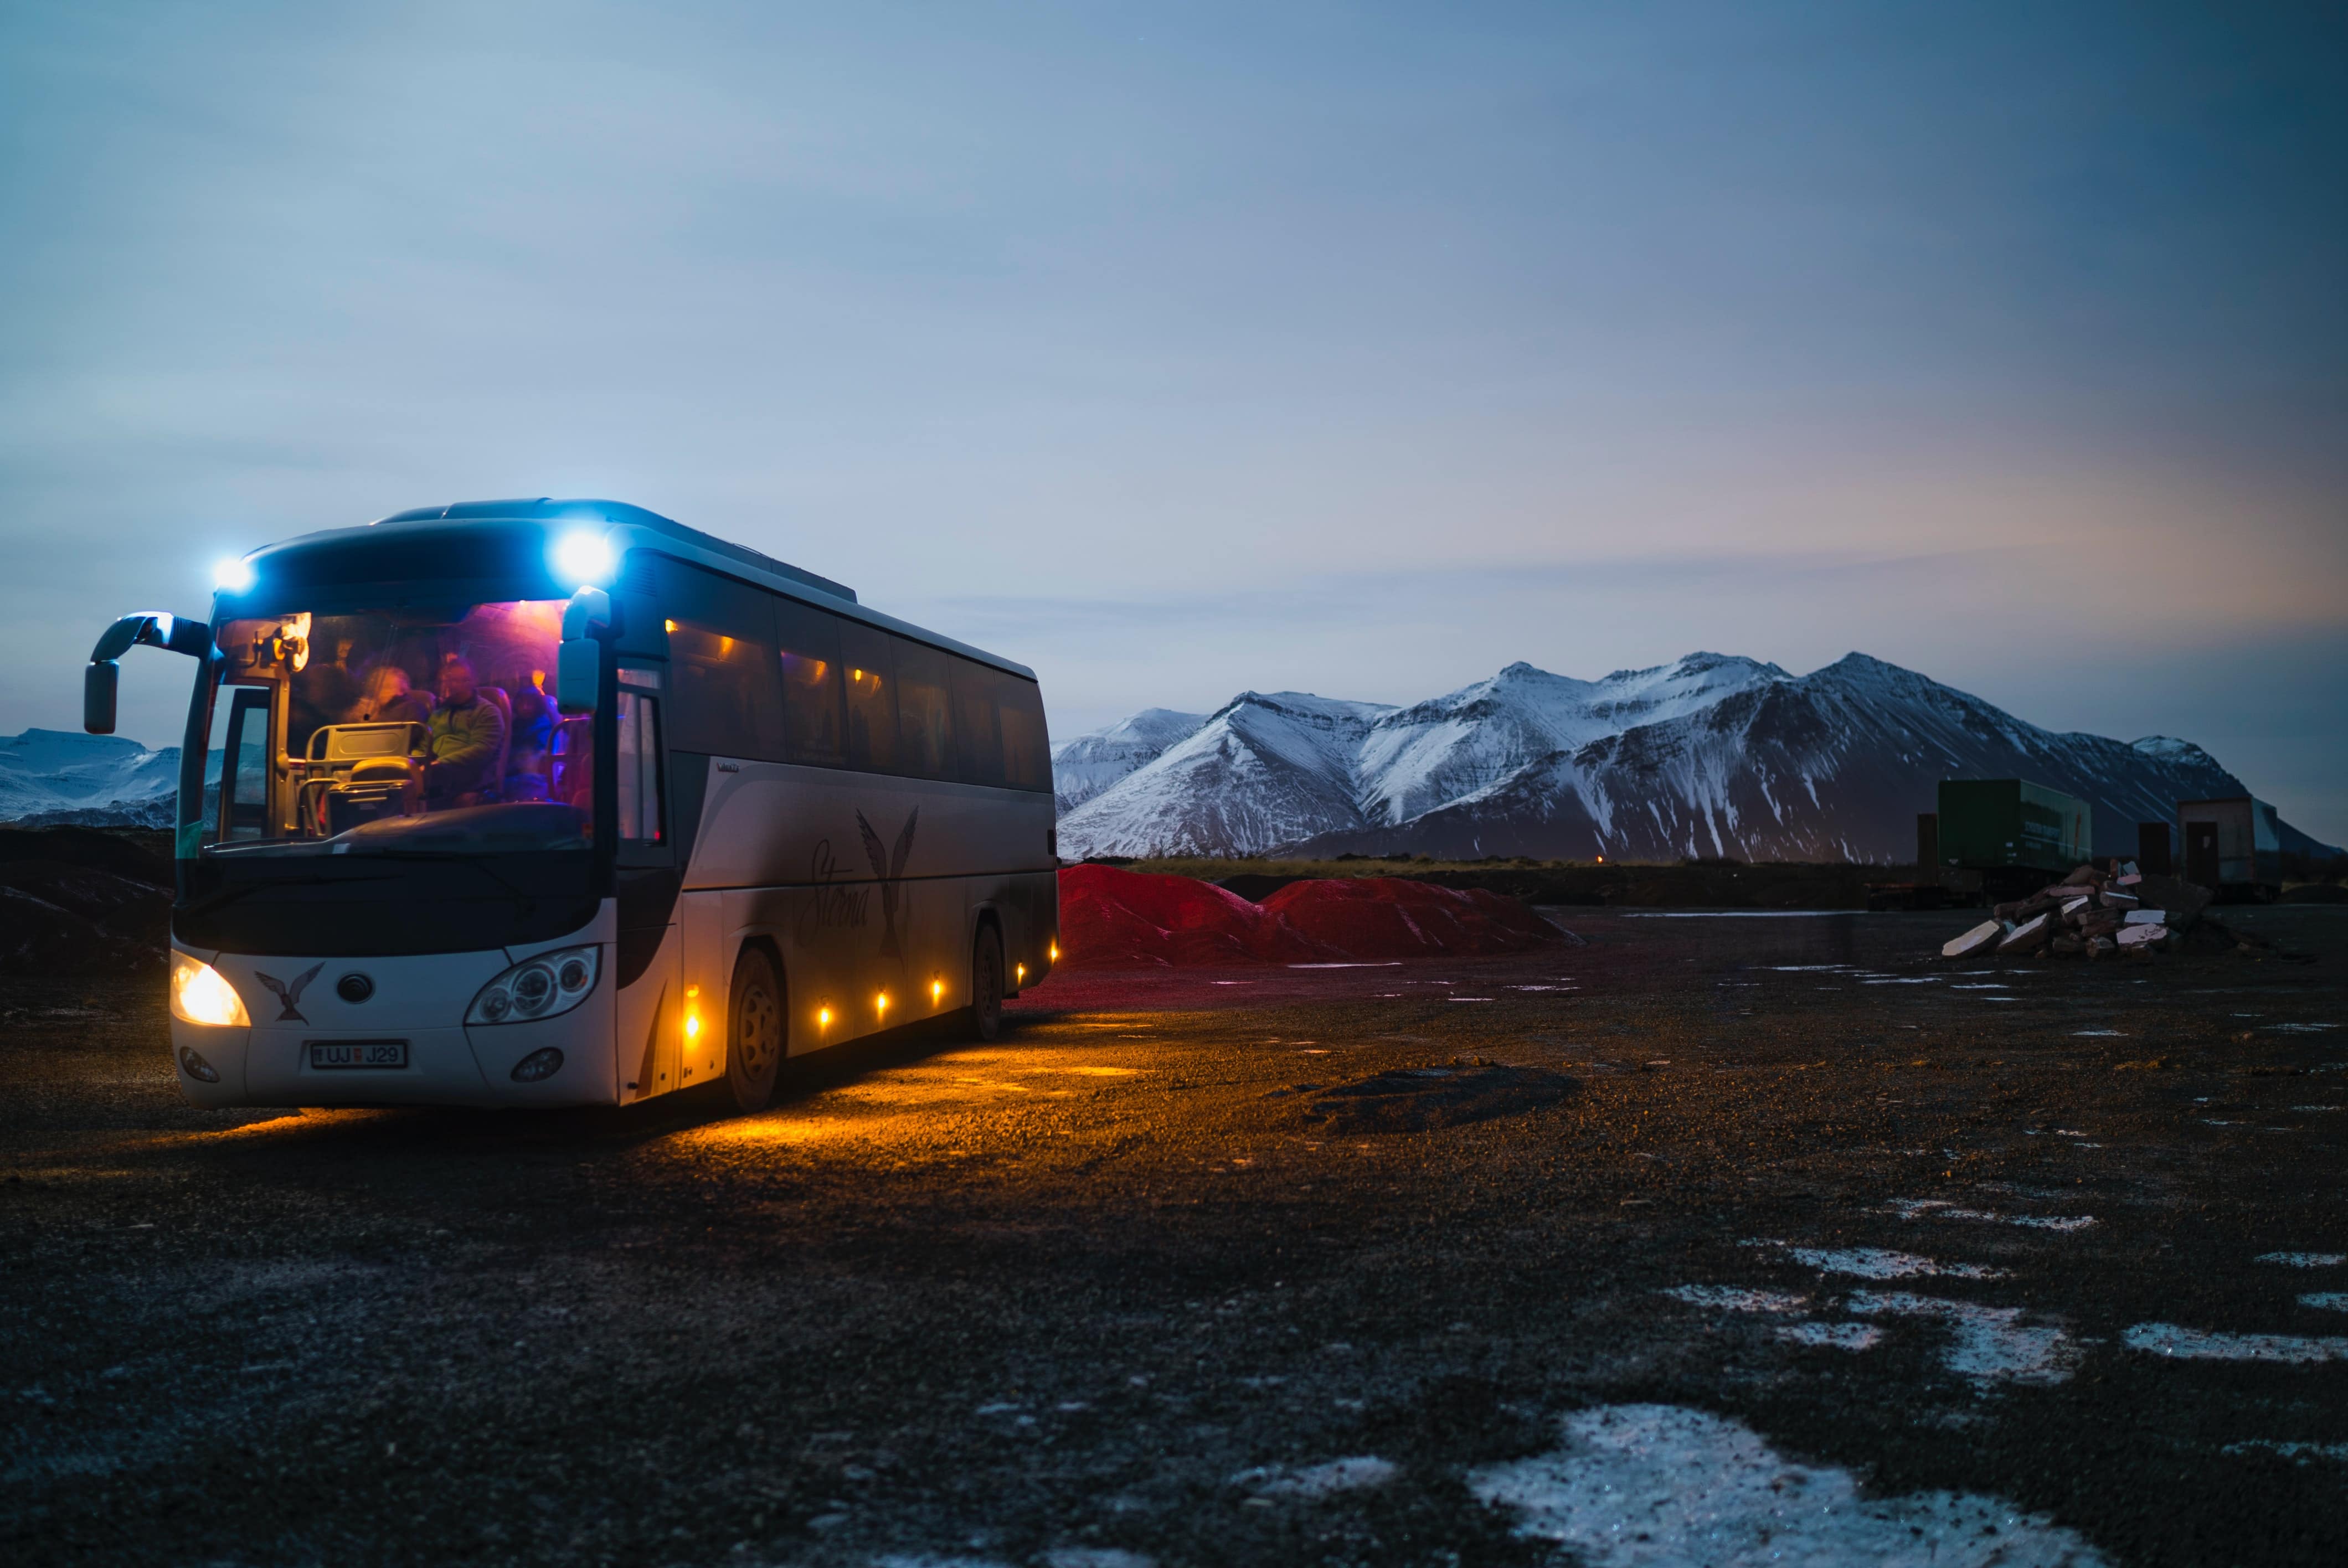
x: 1117, y: 919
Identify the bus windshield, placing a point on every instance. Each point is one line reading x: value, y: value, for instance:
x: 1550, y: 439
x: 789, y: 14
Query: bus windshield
x: 407, y: 731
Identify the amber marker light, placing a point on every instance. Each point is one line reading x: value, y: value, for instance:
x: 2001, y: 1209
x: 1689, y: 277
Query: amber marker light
x: 937, y: 992
x: 1054, y: 950
x: 692, y: 1013
x: 881, y: 1003
x: 1018, y: 971
x: 670, y: 625
x: 823, y: 1017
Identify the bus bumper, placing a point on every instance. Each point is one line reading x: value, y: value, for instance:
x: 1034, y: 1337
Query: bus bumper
x: 418, y: 1005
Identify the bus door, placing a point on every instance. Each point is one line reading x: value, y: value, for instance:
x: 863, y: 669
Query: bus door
x: 652, y: 1008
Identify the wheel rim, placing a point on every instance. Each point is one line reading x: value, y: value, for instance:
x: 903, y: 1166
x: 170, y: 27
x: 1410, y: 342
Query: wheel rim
x: 758, y: 1031
x: 990, y: 981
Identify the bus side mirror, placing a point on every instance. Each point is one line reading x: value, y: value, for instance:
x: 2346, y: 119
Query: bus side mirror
x: 102, y: 681
x: 578, y: 675
x: 579, y: 661
x: 98, y: 685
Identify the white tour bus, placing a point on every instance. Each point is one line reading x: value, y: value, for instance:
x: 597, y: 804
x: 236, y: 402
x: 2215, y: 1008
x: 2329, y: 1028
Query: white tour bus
x: 561, y: 803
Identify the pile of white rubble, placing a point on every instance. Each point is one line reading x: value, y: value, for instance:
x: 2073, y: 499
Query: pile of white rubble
x: 2095, y: 912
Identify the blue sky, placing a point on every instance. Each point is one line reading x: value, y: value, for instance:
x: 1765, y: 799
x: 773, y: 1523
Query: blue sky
x: 1175, y: 351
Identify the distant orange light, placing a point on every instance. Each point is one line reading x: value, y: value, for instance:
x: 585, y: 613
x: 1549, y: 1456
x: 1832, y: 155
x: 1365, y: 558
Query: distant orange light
x: 1019, y: 971
x: 1056, y: 952
x: 823, y: 1017
x: 1601, y: 860
x: 937, y: 991
x: 881, y: 1002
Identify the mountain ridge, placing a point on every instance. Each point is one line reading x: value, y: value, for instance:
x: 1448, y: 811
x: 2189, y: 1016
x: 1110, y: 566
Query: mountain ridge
x: 57, y: 777
x: 1710, y: 754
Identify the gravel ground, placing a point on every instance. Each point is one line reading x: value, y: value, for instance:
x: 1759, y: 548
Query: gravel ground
x: 1831, y: 1250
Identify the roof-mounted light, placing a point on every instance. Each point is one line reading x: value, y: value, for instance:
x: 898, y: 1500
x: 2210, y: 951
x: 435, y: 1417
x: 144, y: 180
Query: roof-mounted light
x: 582, y: 557
x: 233, y: 575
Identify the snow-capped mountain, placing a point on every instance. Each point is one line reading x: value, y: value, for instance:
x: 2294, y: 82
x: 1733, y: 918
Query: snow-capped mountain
x: 1259, y: 770
x: 1708, y: 756
x: 56, y: 775
x: 1089, y: 764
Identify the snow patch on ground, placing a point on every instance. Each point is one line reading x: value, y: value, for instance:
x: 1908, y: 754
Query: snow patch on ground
x: 2304, y: 1259
x: 1657, y: 1486
x: 2303, y: 1452
x: 1356, y: 1473
x: 2199, y: 1345
x: 2328, y: 1301
x: 1941, y: 1209
x: 1987, y: 1344
x: 1735, y: 1298
x: 1881, y: 1262
x: 1833, y: 1335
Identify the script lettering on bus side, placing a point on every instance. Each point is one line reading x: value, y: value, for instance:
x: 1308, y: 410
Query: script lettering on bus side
x: 832, y: 908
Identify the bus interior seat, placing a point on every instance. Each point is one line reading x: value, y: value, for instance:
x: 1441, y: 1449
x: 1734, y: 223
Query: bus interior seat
x: 358, y: 772
x: 571, y: 745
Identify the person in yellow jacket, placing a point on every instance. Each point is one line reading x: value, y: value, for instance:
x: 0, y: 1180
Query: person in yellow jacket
x: 468, y: 734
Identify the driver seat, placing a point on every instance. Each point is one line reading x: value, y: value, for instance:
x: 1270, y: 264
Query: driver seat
x: 359, y: 773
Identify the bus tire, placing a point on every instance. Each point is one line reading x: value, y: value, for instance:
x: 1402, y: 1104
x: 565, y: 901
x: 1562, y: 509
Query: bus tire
x: 756, y: 1039
x: 987, y: 983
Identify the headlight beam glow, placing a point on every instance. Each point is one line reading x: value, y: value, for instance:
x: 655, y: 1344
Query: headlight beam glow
x: 200, y: 994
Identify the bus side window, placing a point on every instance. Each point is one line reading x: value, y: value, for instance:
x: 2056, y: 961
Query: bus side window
x: 727, y: 683
x: 975, y: 724
x: 872, y: 697
x: 925, y: 746
x: 640, y: 769
x: 1026, y: 748
x: 244, y: 765
x: 808, y: 642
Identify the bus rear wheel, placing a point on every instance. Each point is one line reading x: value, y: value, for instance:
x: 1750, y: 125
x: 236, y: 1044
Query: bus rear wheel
x: 754, y: 1039
x: 987, y: 983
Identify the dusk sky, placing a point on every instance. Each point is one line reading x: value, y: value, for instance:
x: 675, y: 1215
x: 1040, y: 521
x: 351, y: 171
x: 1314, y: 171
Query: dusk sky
x: 1181, y: 350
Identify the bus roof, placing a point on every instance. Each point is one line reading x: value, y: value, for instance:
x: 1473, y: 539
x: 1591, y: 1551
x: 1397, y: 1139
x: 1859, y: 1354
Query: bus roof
x: 618, y: 513
x: 627, y: 528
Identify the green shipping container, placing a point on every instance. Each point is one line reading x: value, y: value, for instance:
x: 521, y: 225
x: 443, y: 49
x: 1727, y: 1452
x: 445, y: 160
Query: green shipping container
x: 1989, y: 823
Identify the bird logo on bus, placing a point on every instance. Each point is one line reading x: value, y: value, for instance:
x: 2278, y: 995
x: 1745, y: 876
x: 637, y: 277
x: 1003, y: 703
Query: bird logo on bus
x: 889, y: 867
x: 289, y: 995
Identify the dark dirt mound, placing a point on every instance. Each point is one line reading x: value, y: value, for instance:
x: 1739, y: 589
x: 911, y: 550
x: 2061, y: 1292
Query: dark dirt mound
x: 78, y: 902
x: 1416, y: 1098
x: 1114, y: 919
x: 123, y: 854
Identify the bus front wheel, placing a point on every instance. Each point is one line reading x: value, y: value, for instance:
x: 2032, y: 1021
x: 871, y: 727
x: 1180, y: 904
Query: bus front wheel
x: 754, y: 1044
x: 987, y: 983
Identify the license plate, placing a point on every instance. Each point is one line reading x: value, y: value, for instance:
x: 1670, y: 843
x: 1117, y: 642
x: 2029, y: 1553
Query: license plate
x: 335, y: 1053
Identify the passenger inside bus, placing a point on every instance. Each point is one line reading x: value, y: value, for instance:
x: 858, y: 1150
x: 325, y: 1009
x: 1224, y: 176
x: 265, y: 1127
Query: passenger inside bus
x: 469, y: 728
x: 399, y: 715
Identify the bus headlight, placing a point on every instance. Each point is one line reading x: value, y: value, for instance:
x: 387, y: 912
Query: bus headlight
x: 199, y: 995
x: 538, y: 988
